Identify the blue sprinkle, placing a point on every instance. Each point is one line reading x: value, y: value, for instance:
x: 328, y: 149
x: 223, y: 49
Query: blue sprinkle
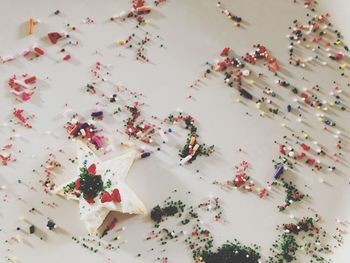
x: 97, y: 114
x: 145, y: 154
x: 246, y: 94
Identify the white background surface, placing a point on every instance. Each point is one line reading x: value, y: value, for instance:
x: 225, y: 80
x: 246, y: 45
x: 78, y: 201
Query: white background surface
x: 193, y: 32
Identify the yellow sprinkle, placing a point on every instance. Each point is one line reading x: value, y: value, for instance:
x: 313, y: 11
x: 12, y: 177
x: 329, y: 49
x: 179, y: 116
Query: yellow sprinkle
x: 31, y: 26
x: 121, y: 42
x: 284, y: 125
x: 193, y: 140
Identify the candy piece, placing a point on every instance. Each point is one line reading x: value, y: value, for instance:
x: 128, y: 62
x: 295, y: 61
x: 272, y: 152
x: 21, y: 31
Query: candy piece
x: 25, y: 52
x: 329, y: 122
x: 282, y: 149
x: 186, y: 159
x: 25, y: 96
x: 20, y: 83
x: 97, y: 114
x: 51, y: 225
x: 245, y: 94
x: 139, y: 3
x: 31, y: 229
x: 97, y: 140
x: 273, y: 65
x: 145, y: 154
x: 54, y: 37
x: 143, y: 9
x: 305, y: 147
x: 279, y: 169
x: 39, y: 51
x: 311, y: 162
x: 92, y: 169
x: 301, y: 155
x: 116, y: 196
x: 224, y: 52
x: 7, y: 58
x: 31, y: 25
x: 106, y: 197
x: 337, y: 56
x: 30, y: 80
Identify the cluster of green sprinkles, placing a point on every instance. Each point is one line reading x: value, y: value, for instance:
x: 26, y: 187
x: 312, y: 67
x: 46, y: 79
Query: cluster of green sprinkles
x: 170, y: 208
x: 232, y: 252
x: 83, y: 244
x: 212, y: 204
x: 192, y: 149
x: 201, y: 243
x: 339, y: 236
x: 304, y: 236
x: 292, y: 193
x: 199, y: 240
x: 89, y: 185
x: 136, y: 128
x: 92, y: 244
x: 191, y: 214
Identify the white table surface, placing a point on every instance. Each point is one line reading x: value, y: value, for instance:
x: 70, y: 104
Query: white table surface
x: 192, y: 32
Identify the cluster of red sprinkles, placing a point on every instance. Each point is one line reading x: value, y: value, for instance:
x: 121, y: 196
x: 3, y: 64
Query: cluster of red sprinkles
x: 23, y: 89
x: 21, y: 118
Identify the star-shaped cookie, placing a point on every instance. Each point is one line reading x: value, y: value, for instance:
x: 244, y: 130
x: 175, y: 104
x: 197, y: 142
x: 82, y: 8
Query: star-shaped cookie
x: 101, y: 187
